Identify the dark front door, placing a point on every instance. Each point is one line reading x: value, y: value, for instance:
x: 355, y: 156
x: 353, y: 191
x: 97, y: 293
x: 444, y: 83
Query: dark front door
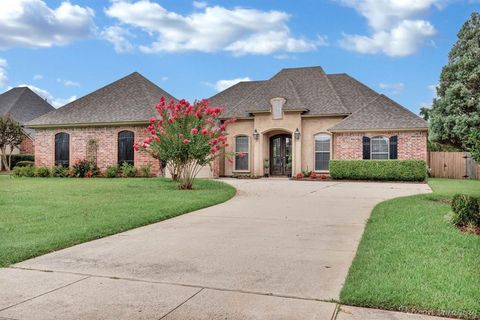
x: 62, y: 149
x: 281, y: 155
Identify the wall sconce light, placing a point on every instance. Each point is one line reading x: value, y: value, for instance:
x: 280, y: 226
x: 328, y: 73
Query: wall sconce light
x: 256, y: 135
x: 297, y: 134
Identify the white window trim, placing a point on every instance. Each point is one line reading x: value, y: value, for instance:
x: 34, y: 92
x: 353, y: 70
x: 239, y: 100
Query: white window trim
x: 235, y: 154
x: 315, y: 152
x: 371, y: 148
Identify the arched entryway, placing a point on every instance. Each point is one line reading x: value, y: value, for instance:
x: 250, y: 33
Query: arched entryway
x: 281, y: 155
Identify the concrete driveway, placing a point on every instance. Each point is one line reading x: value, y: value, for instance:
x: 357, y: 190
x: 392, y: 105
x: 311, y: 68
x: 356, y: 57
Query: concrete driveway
x: 278, y: 250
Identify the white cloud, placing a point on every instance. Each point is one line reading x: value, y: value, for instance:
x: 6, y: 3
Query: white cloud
x: 3, y: 73
x: 221, y: 85
x: 118, y: 36
x: 200, y: 4
x: 239, y: 30
x: 433, y: 89
x: 56, y: 102
x: 396, y: 28
x: 31, y: 23
x: 68, y: 83
x: 164, y: 78
x: 393, y: 88
x: 38, y: 77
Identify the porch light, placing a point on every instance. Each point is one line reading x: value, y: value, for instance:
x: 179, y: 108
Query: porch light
x: 256, y: 135
x: 297, y: 134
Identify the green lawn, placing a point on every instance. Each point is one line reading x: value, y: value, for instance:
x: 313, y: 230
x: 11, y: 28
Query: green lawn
x: 40, y: 215
x: 412, y: 259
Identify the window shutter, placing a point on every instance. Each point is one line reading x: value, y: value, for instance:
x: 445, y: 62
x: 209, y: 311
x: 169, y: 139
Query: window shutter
x: 366, y: 148
x: 393, y: 147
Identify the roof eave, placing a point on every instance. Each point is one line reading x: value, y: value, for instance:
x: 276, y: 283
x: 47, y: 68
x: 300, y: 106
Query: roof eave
x: 91, y: 124
x: 379, y: 129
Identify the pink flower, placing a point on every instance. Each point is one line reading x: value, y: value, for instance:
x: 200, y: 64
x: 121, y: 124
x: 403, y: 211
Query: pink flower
x: 152, y: 119
x: 147, y: 140
x: 222, y: 127
x: 194, y: 131
x: 204, y: 131
x: 135, y: 147
x: 213, y: 150
x: 170, y: 120
x: 186, y: 141
x: 144, y: 145
x: 156, y: 138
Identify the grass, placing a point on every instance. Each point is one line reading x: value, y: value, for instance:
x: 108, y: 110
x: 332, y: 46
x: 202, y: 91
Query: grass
x: 412, y: 259
x: 40, y: 215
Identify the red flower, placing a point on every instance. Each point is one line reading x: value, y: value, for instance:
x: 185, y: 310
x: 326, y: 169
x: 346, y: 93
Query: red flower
x: 186, y: 141
x: 194, y: 131
x: 156, y: 138
x: 144, y: 145
x: 204, y: 131
x: 152, y: 119
x: 148, y: 140
x: 222, y: 127
x: 170, y: 120
x: 135, y: 147
x: 213, y: 150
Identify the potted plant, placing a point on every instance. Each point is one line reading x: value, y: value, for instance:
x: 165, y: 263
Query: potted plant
x: 266, y: 167
x: 289, y: 165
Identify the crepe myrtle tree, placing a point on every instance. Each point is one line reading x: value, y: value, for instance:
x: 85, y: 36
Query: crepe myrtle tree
x: 11, y: 136
x: 186, y: 137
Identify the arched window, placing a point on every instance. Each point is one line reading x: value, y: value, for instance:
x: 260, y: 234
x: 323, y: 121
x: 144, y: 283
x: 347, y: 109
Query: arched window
x: 322, y: 151
x: 241, y: 153
x: 125, y: 147
x: 62, y: 149
x: 379, y: 149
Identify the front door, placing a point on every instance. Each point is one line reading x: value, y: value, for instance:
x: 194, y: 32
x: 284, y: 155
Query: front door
x: 281, y: 155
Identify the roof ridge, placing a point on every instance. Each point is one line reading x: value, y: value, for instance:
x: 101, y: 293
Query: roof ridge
x: 356, y: 111
x: 336, y: 93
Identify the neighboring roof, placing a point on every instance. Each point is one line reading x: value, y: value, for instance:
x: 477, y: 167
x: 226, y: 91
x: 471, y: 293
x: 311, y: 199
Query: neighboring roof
x: 130, y: 99
x: 23, y: 104
x: 381, y: 113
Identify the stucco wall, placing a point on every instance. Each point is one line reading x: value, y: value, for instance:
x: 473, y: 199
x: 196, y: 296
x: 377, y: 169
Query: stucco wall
x: 107, y: 145
x: 411, y: 144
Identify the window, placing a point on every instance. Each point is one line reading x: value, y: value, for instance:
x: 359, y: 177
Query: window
x: 62, y: 149
x: 277, y: 106
x: 322, y: 151
x: 379, y: 148
x: 125, y: 147
x: 241, y: 153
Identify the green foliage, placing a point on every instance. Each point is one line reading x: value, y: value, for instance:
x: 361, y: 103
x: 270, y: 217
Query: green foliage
x: 59, y: 172
x: 455, y: 113
x: 85, y: 168
x: 11, y: 136
x: 386, y: 170
x: 111, y: 171
x: 16, y: 158
x: 146, y: 171
x: 24, y: 163
x: 466, y: 210
x: 307, y: 173
x: 128, y: 170
x: 42, y: 172
x: 27, y: 171
x: 473, y: 145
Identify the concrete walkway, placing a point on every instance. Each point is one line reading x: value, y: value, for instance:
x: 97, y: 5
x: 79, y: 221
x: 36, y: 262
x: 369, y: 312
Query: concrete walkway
x: 279, y: 250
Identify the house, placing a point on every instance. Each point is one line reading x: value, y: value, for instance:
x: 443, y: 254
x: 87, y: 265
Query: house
x: 24, y: 105
x: 302, y: 118
x: 101, y: 126
x: 299, y: 119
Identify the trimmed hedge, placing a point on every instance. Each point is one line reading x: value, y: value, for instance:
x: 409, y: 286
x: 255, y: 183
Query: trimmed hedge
x: 16, y: 158
x: 379, y: 170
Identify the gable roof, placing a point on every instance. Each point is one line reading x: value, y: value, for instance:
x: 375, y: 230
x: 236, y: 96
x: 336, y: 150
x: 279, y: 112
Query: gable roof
x: 130, y: 99
x: 381, y: 113
x: 23, y: 104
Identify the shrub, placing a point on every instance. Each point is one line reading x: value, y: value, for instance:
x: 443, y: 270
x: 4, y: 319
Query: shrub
x: 128, y: 170
x: 313, y: 175
x: 386, y: 170
x: 59, y: 171
x: 42, y: 172
x: 16, y: 158
x: 299, y: 176
x: 146, y: 171
x: 28, y: 171
x: 111, y: 171
x: 24, y: 163
x: 466, y: 210
x: 306, y: 173
x: 85, y: 168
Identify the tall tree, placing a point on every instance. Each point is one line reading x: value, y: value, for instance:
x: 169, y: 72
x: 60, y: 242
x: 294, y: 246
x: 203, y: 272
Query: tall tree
x: 11, y: 136
x: 455, y: 113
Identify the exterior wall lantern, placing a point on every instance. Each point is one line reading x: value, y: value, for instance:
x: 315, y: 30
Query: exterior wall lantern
x: 256, y: 135
x: 297, y: 134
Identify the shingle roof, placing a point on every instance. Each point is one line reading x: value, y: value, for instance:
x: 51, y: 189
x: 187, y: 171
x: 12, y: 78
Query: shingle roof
x: 381, y: 113
x: 130, y: 99
x: 229, y: 98
x: 23, y: 104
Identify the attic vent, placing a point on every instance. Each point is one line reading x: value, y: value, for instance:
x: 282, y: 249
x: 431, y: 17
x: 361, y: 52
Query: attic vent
x: 277, y: 107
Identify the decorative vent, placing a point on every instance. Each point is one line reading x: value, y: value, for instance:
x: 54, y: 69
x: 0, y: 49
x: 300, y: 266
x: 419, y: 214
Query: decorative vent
x: 277, y: 107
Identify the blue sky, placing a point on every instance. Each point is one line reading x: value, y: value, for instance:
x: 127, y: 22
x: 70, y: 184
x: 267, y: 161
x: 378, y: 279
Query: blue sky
x: 65, y: 50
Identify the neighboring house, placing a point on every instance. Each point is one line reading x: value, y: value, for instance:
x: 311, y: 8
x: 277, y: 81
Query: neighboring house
x: 24, y: 105
x: 302, y: 118
x: 102, y: 126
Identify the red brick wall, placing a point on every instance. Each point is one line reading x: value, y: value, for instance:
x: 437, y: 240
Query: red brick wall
x: 27, y: 147
x: 411, y: 144
x: 107, y: 145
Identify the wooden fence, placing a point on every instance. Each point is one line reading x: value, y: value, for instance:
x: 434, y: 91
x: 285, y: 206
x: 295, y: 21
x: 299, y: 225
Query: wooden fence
x: 453, y: 165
